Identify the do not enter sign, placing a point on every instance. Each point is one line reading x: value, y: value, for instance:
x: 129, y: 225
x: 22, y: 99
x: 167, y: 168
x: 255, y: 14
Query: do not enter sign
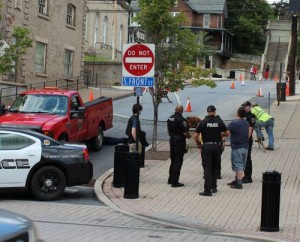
x: 138, y: 60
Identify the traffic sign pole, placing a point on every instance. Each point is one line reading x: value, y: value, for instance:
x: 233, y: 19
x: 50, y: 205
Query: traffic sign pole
x: 138, y: 68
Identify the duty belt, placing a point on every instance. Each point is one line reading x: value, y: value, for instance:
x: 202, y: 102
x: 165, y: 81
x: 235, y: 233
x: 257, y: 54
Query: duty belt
x: 211, y: 143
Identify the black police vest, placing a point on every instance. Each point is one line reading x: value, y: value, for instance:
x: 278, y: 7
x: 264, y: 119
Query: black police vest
x: 212, y: 129
x: 174, y: 127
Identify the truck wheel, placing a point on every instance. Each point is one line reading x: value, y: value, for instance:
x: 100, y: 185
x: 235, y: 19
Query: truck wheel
x: 48, y: 183
x: 97, y: 142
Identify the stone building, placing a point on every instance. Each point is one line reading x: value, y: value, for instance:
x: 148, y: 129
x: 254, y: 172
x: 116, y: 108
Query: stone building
x: 106, y: 28
x: 57, y: 30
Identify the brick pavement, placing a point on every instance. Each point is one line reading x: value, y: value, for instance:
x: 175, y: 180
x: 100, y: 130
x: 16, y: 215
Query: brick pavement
x: 228, y: 211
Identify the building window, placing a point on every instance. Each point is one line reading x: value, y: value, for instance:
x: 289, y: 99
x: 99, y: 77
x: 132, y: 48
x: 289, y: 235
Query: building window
x: 19, y: 4
x: 104, y: 30
x: 68, y: 63
x: 121, y: 38
x: 40, y: 57
x: 97, y: 20
x: 71, y: 15
x: 174, y: 14
x: 43, y: 7
x: 206, y: 20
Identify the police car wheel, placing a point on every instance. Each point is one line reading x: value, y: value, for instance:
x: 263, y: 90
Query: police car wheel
x: 48, y: 183
x: 97, y: 142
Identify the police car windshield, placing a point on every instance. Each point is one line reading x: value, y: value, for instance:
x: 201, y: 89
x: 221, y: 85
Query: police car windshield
x: 53, y: 104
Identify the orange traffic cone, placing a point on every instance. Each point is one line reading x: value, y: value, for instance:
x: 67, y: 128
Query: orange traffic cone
x: 287, y: 90
x: 241, y: 77
x: 91, y: 97
x: 276, y: 78
x: 188, y: 107
x: 232, y: 85
x: 259, y: 93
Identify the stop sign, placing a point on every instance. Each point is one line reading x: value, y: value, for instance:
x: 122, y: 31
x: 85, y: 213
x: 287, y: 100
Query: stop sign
x: 138, y: 60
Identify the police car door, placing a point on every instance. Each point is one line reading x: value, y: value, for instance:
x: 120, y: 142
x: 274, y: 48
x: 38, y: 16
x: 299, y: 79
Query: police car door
x: 18, y: 154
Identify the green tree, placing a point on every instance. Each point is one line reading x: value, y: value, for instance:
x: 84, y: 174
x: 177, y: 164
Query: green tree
x: 247, y: 21
x: 176, y: 49
x: 18, y: 46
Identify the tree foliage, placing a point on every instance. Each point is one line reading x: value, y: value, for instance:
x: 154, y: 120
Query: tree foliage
x: 176, y: 51
x: 19, y: 46
x: 247, y: 21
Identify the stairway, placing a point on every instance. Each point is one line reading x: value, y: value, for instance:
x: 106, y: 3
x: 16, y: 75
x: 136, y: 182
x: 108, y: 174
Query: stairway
x: 277, y: 46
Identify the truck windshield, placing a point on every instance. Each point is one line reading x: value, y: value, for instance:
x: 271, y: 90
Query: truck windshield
x: 52, y: 104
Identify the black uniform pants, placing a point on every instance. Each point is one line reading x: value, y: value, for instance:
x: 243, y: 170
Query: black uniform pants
x: 177, y: 148
x: 211, y: 157
x: 248, y: 168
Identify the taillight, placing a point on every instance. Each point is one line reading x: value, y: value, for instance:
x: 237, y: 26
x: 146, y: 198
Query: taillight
x: 86, y: 154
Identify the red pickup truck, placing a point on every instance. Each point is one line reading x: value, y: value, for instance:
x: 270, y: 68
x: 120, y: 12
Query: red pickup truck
x: 61, y: 114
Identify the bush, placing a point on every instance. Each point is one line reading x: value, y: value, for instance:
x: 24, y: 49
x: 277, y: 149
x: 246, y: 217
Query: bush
x: 192, y: 121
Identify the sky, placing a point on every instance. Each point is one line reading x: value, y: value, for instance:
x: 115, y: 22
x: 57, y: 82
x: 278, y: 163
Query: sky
x: 272, y: 1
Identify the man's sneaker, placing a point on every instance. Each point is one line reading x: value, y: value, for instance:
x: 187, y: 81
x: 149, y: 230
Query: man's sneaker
x: 177, y: 185
x: 268, y: 148
x: 260, y: 139
x: 214, y: 190
x: 207, y: 194
x: 247, y: 180
x: 237, y: 186
x: 231, y: 183
x: 219, y: 177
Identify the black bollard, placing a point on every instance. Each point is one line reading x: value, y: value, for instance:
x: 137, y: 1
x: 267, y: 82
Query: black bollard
x: 143, y: 156
x: 132, y: 179
x: 119, y: 165
x: 270, y: 205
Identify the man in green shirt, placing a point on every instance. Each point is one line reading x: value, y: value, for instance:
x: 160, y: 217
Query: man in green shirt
x: 263, y: 120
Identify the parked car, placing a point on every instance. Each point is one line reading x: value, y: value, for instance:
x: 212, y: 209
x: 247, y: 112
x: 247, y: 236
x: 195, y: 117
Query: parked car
x: 61, y: 114
x: 40, y: 164
x: 16, y: 227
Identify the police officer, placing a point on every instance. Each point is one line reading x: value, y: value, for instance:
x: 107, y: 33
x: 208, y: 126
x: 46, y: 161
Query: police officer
x: 212, y: 129
x: 178, y: 130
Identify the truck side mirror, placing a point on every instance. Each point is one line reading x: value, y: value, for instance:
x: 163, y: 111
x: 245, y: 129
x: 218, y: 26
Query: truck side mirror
x: 80, y: 113
x: 2, y: 109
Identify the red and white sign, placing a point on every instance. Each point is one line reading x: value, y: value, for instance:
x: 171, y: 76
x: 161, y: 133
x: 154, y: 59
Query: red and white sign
x: 138, y: 60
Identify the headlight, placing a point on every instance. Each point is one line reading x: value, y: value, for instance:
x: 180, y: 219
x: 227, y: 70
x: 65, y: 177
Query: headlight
x: 49, y: 133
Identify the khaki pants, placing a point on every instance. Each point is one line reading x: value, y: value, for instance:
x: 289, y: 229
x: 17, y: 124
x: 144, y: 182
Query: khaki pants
x: 132, y: 147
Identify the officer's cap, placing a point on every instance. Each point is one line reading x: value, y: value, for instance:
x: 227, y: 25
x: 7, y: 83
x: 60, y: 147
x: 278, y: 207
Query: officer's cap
x: 246, y: 104
x: 211, y: 108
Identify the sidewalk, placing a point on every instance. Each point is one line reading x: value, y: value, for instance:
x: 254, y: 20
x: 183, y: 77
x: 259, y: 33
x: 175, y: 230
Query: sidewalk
x: 229, y: 211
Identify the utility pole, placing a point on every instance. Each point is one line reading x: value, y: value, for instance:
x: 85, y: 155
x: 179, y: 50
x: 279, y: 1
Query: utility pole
x: 292, y: 58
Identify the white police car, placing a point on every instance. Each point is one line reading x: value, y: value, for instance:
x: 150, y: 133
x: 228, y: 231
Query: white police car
x: 40, y: 164
x: 16, y: 228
